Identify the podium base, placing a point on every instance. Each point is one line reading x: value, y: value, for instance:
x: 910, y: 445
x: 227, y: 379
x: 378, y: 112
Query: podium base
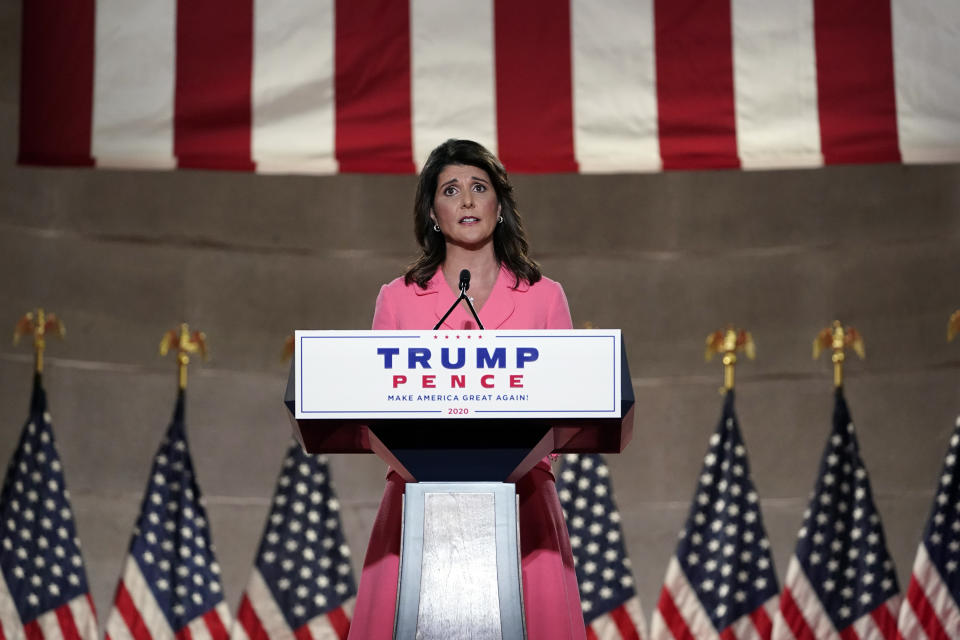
x: 460, y: 563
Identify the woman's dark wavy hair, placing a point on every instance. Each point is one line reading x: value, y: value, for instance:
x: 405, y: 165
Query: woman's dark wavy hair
x: 509, y: 239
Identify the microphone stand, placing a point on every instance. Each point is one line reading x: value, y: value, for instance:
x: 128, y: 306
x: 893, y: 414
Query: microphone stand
x: 463, y: 296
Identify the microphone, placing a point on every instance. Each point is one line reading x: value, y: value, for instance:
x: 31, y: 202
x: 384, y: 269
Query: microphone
x: 464, y: 286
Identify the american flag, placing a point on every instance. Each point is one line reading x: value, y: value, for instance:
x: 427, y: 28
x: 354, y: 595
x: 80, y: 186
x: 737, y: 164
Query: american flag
x: 611, y: 607
x: 326, y: 86
x: 932, y: 607
x: 170, y: 585
x: 840, y: 582
x: 302, y: 585
x: 721, y: 580
x: 43, y: 585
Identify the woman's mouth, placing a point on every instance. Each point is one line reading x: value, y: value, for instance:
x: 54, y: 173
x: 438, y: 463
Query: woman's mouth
x: 469, y: 220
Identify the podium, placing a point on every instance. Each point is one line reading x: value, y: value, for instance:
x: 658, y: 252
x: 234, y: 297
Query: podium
x: 461, y: 416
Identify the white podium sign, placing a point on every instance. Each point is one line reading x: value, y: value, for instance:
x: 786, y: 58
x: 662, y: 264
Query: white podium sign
x: 462, y: 374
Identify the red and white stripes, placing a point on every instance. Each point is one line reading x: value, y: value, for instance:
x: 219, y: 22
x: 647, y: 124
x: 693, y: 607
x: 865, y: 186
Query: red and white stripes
x: 680, y: 614
x: 929, y: 611
x: 259, y: 618
x: 137, y: 616
x: 373, y: 85
x: 802, y: 616
x: 73, y: 620
x: 626, y: 622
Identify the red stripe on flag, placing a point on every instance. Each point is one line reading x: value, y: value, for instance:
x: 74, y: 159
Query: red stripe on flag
x: 56, y: 82
x: 303, y: 633
x: 849, y: 634
x: 131, y: 616
x: 372, y: 87
x: 694, y: 54
x: 591, y: 634
x: 728, y: 634
x: 212, y: 101
x: 183, y: 634
x: 762, y: 622
x: 215, y: 625
x: 794, y: 617
x: 624, y: 623
x: 673, y: 618
x: 340, y: 622
x: 885, y: 622
x: 93, y: 608
x: 2, y: 635
x: 924, y: 612
x: 32, y: 630
x: 67, y: 625
x: 250, y: 621
x: 855, y: 81
x: 534, y: 85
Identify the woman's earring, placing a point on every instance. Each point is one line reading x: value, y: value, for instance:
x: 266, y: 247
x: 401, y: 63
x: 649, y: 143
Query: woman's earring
x: 436, y: 227
x: 499, y: 219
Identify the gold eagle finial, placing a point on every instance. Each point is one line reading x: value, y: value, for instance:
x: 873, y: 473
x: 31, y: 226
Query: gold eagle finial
x: 839, y: 339
x: 953, y: 326
x: 728, y: 342
x: 39, y: 325
x: 184, y: 342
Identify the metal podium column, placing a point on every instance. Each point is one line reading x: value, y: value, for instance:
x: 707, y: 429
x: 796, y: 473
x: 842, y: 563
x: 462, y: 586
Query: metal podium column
x: 460, y: 563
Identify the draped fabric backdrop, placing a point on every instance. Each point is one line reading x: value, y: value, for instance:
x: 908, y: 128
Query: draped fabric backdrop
x: 327, y: 86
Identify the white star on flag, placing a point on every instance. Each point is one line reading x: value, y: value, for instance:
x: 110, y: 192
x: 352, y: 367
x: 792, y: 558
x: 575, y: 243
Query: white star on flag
x: 611, y: 606
x: 302, y: 585
x: 170, y: 587
x: 931, y: 609
x: 720, y: 581
x: 43, y: 583
x: 854, y: 594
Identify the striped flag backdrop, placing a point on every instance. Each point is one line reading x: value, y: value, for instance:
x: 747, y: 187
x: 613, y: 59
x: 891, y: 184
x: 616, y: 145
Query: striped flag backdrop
x: 931, y: 610
x: 43, y: 585
x: 720, y: 582
x: 841, y: 583
x: 608, y: 595
x: 170, y: 586
x: 321, y: 86
x: 302, y: 585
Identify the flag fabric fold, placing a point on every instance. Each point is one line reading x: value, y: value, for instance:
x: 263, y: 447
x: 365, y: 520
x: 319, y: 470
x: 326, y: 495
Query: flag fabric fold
x: 170, y: 582
x: 608, y: 595
x: 44, y: 594
x: 841, y: 582
x: 931, y: 609
x: 302, y: 585
x: 720, y: 582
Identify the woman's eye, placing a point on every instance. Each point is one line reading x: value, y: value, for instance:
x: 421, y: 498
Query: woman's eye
x: 450, y: 191
x: 479, y: 188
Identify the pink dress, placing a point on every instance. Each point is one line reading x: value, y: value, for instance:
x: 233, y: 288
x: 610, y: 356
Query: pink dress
x: 551, y: 597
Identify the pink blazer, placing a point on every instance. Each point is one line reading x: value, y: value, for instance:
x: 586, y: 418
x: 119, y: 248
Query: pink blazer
x: 550, y: 593
x: 539, y: 306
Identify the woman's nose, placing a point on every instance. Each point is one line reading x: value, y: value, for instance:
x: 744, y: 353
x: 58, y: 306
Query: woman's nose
x: 468, y: 200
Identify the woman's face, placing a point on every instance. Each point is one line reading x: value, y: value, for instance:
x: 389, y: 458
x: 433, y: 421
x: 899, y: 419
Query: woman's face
x: 465, y: 205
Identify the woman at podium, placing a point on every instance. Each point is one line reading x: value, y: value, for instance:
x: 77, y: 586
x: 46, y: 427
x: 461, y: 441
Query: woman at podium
x: 465, y: 217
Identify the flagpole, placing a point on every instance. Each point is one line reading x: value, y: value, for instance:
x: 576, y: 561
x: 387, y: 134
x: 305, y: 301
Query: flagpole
x: 185, y: 343
x: 839, y: 339
x: 728, y: 342
x: 953, y: 325
x: 38, y: 324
